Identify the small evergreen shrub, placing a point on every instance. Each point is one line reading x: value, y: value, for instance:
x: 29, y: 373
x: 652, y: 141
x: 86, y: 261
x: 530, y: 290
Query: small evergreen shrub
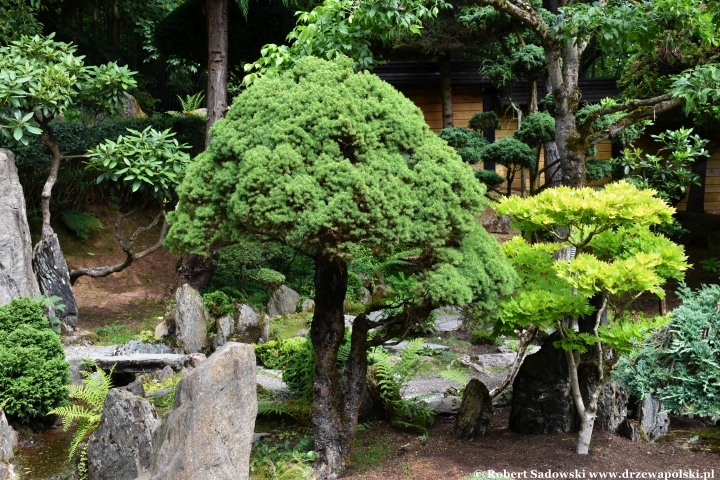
x: 597, y: 169
x: 681, y: 364
x: 33, y: 371
x: 218, y: 304
x: 467, y: 143
x: 276, y: 354
x: 509, y: 152
x: 489, y: 177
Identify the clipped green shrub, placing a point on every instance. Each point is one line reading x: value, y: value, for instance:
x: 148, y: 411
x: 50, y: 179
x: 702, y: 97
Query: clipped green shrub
x: 536, y: 129
x: 489, y: 177
x: 597, y: 170
x: 277, y: 353
x: 484, y: 121
x: 33, y: 371
x: 22, y: 312
x: 680, y: 365
x: 218, y: 303
x: 467, y: 143
x: 509, y: 152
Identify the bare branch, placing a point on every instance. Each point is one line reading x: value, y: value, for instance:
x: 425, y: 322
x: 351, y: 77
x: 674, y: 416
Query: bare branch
x: 127, y: 247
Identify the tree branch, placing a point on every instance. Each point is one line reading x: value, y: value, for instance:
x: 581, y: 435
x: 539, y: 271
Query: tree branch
x: 526, y: 14
x: 127, y: 247
x: 643, y: 112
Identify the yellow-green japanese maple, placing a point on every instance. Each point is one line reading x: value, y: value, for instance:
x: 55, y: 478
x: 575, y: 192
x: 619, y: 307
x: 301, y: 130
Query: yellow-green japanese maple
x: 330, y: 162
x: 585, y: 294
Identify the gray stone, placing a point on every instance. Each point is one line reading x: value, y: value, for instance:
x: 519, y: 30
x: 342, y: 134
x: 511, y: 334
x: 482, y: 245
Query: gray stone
x: 135, y: 387
x: 161, y: 331
x: 650, y: 423
x: 449, y: 405
x: 145, y: 362
x: 131, y: 107
x: 163, y: 392
x: 542, y: 400
x: 121, y: 447
x: 504, y: 398
x: 366, y: 296
x: 504, y: 349
x: 283, y: 300
x: 7, y: 472
x: 475, y: 413
x: 497, y: 360
x: 190, y: 320
x: 497, y: 224
x: 250, y: 325
x: 612, y: 408
x: 447, y: 321
x: 136, y: 346
x: 225, y: 328
x: 16, y: 273
x: 308, y: 305
x: 8, y: 439
x: 164, y: 374
x: 54, y: 278
x: 208, y: 434
x: 380, y: 292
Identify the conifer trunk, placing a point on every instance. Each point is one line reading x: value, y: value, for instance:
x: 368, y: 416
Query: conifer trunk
x: 326, y: 333
x: 446, y: 90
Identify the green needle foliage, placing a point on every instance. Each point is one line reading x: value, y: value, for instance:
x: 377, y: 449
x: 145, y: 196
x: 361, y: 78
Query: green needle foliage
x: 681, y: 364
x: 33, y: 371
x: 87, y: 410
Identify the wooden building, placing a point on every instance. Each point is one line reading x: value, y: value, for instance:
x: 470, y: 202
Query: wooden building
x: 420, y: 82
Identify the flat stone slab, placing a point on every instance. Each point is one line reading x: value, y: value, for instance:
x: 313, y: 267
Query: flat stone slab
x: 403, y: 345
x: 447, y: 322
x: 271, y: 380
x: 503, y: 360
x: 148, y: 362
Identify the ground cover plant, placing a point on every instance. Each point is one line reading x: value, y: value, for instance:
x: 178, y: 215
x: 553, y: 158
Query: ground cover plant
x: 593, y: 253
x: 327, y: 162
x: 680, y: 363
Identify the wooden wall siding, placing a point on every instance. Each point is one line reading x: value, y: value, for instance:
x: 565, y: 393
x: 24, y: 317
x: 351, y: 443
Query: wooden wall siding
x: 468, y: 101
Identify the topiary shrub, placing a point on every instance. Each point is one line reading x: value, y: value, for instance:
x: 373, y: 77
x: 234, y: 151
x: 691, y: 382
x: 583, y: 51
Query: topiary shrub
x: 490, y: 178
x: 511, y: 153
x: 34, y: 375
x: 680, y: 365
x: 467, y: 143
x: 597, y: 170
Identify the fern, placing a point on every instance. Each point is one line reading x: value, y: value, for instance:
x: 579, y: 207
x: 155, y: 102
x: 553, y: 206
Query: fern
x: 460, y: 376
x: 274, y: 409
x: 191, y: 102
x: 391, y: 378
x: 87, y: 413
x: 81, y: 222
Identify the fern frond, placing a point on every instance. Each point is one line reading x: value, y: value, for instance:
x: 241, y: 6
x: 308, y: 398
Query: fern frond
x: 274, y: 408
x: 459, y: 376
x: 81, y: 222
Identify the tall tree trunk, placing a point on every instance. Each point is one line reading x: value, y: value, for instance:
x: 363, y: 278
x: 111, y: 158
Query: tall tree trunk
x: 696, y: 197
x: 326, y: 333
x: 48, y: 260
x: 217, y: 13
x: 196, y: 270
x: 446, y: 90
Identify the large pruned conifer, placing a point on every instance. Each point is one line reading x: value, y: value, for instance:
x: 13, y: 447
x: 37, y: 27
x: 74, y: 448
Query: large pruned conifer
x: 327, y: 161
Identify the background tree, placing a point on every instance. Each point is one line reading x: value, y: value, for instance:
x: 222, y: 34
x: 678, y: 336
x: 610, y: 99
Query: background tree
x: 632, y: 28
x: 41, y: 79
x: 327, y: 161
x: 614, y: 257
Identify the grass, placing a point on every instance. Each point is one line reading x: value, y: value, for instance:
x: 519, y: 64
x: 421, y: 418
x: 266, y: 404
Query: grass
x: 369, y: 456
x: 288, y: 326
x: 120, y: 333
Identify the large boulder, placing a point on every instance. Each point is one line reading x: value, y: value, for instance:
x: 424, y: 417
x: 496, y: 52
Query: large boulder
x: 121, y: 447
x: 283, y: 300
x: 250, y: 325
x: 209, y: 432
x: 542, y: 398
x: 54, y: 277
x: 475, y: 413
x: 16, y: 274
x: 224, y: 328
x: 650, y: 423
x: 190, y: 320
x: 612, y: 408
x: 8, y: 439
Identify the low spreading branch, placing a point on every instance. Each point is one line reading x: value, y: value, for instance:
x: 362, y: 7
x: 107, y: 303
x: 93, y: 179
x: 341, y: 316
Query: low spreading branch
x: 127, y: 247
